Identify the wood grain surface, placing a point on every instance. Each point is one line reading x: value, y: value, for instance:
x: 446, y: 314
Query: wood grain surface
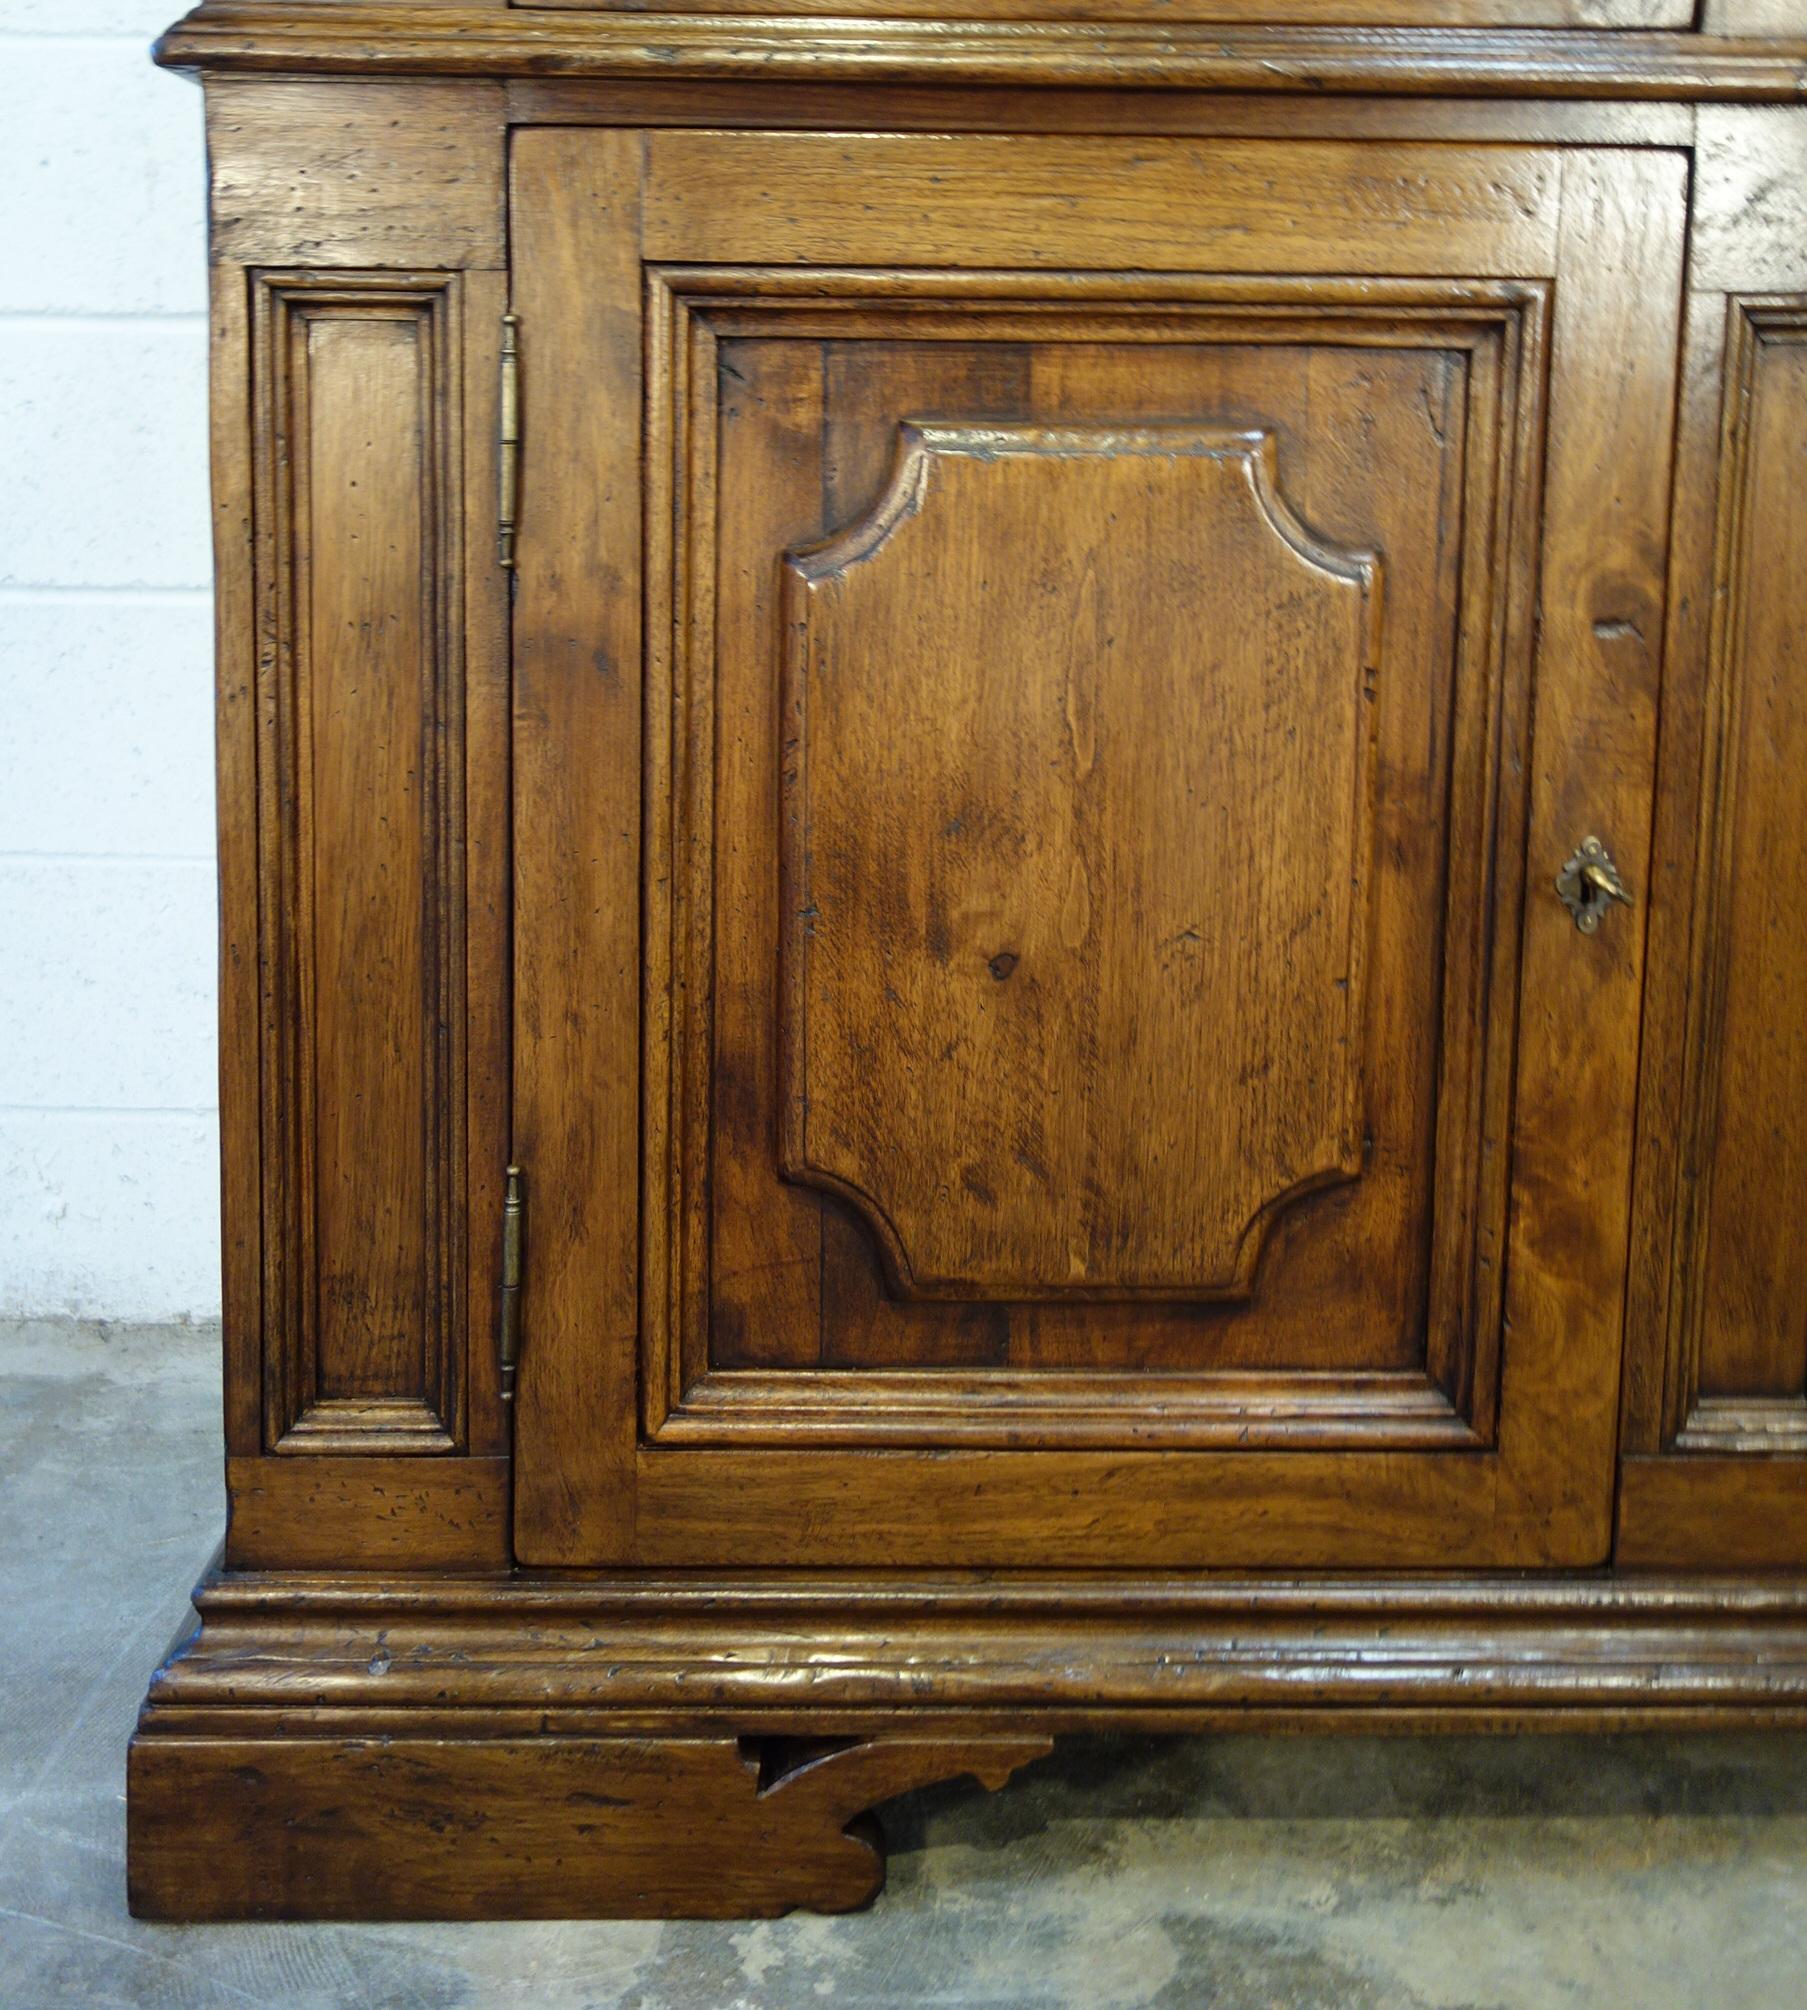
x: 1034, y: 724
x: 970, y: 782
x: 528, y: 1828
x: 279, y: 37
x: 1715, y: 1399
x: 1081, y: 570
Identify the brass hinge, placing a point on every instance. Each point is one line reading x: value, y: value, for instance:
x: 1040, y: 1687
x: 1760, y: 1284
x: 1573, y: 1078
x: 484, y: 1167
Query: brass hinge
x: 508, y: 439
x: 508, y: 1324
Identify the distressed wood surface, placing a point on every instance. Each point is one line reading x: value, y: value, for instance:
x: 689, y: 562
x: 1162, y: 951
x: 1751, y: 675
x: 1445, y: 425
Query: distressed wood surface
x: 367, y: 1510
x: 1716, y: 1382
x: 1031, y: 729
x: 1748, y: 232
x: 484, y: 864
x: 1345, y: 1293
x: 577, y: 825
x: 1753, y: 17
x: 1701, y: 1510
x: 356, y: 174
x: 708, y: 1653
x: 1343, y: 1233
x: 230, y: 35
x: 1593, y: 750
x: 820, y: 429
x: 363, y: 826
x: 238, y: 722
x: 524, y: 1828
x: 360, y: 424
x: 652, y: 102
x: 1100, y: 204
x: 1464, y: 1465
x: 1743, y: 1349
x: 1258, y: 13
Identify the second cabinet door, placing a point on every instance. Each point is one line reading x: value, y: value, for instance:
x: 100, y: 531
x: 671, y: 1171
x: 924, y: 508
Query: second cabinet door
x: 1054, y: 679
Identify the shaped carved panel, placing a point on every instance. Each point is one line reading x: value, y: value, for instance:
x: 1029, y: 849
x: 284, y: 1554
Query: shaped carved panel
x: 1075, y: 842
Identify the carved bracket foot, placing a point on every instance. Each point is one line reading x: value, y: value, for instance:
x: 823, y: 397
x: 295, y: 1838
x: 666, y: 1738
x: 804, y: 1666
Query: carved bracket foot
x: 523, y: 1828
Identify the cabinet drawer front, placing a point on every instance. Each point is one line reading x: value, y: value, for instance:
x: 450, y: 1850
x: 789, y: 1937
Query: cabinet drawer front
x: 1021, y: 908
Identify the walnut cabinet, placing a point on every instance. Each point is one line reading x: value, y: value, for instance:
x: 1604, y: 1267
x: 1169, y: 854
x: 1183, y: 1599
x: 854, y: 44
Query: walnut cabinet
x: 1012, y: 913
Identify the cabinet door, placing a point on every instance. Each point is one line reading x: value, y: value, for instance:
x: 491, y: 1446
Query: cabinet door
x: 1716, y: 1410
x: 1053, y: 680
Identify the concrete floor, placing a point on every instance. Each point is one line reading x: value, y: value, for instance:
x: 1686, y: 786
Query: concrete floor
x: 1234, y: 1872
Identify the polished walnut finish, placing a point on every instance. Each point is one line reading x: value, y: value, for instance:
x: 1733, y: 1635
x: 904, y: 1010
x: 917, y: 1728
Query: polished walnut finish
x: 989, y: 846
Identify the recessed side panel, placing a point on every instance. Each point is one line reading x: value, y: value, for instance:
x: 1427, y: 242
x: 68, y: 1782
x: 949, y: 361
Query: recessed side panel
x: 358, y: 382
x: 1738, y: 1361
x: 1716, y: 1388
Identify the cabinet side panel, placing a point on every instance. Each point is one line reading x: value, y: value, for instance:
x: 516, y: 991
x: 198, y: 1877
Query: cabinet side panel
x: 1716, y: 1397
x: 356, y: 235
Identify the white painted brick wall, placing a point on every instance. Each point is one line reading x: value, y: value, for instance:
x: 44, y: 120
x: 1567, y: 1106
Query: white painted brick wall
x: 108, y: 1132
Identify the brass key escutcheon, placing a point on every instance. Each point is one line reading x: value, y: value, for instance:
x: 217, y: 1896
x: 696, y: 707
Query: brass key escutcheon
x: 1589, y: 883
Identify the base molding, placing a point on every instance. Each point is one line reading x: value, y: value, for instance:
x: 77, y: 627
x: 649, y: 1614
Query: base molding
x: 567, y: 1745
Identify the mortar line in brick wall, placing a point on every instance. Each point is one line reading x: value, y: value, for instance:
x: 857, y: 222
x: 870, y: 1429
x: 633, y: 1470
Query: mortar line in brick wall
x: 143, y: 1111
x: 65, y: 36
x: 39, y: 591
x: 99, y: 317
x: 11, y: 853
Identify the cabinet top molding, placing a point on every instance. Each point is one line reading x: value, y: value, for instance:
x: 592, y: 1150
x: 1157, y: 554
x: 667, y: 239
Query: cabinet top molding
x: 346, y: 37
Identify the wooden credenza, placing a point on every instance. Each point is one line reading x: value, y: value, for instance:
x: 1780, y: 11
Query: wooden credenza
x: 1085, y: 737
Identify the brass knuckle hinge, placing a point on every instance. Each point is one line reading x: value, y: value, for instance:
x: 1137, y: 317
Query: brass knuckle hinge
x: 508, y: 1323
x: 508, y: 441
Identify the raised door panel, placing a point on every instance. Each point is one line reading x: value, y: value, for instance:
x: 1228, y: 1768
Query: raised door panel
x: 1073, y: 847
x: 1082, y: 720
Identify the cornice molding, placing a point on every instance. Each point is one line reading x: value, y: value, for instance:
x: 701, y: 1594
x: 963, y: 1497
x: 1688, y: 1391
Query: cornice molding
x: 343, y: 37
